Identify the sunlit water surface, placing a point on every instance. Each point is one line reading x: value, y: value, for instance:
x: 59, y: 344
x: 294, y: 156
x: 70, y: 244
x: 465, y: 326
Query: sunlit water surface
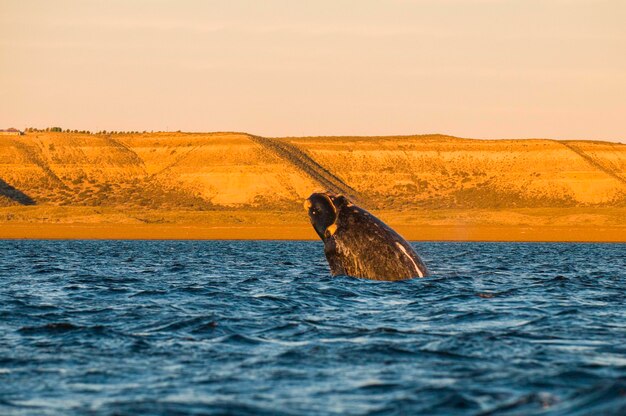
x: 119, y: 327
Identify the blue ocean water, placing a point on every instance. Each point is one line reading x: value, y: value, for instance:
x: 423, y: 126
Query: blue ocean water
x: 234, y: 327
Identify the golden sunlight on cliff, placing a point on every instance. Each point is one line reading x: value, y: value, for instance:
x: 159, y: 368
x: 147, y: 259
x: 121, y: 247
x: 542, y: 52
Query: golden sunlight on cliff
x: 233, y: 181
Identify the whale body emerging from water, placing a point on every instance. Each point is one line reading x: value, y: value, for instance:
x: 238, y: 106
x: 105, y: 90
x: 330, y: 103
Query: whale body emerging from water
x: 358, y: 244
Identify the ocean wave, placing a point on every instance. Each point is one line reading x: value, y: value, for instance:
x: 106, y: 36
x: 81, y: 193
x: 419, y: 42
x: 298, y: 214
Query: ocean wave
x: 262, y: 328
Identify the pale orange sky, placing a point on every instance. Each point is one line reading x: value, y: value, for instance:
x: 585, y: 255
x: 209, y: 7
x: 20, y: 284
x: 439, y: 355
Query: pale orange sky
x: 471, y: 68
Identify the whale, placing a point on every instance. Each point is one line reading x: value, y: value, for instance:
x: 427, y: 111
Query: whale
x: 358, y: 244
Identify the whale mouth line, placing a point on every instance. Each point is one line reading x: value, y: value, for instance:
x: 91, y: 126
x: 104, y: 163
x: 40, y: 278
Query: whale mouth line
x: 417, y: 269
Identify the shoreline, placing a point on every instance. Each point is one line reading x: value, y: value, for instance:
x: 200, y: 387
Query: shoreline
x: 475, y: 233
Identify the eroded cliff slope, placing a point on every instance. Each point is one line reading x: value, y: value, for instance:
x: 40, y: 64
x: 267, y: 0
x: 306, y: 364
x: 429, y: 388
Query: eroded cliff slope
x: 226, y: 171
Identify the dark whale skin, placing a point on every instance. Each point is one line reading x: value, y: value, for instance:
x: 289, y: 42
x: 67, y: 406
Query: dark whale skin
x: 360, y: 245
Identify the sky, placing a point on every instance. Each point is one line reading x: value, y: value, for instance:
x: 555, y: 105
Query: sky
x: 469, y: 68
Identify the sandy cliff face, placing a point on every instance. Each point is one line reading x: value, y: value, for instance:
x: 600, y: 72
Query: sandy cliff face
x: 224, y: 169
x: 233, y: 171
x: 439, y: 171
x: 188, y: 171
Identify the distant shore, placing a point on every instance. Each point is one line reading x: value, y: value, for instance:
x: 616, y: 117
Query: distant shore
x: 303, y: 232
x: 241, y: 186
x: 525, y: 224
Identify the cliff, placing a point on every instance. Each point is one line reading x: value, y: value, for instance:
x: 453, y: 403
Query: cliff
x: 239, y: 171
x: 226, y: 178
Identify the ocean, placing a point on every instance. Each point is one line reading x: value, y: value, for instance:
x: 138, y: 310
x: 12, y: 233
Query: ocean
x: 260, y: 328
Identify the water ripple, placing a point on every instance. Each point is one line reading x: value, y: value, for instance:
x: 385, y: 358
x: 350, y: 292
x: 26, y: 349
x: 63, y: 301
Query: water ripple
x: 231, y: 327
